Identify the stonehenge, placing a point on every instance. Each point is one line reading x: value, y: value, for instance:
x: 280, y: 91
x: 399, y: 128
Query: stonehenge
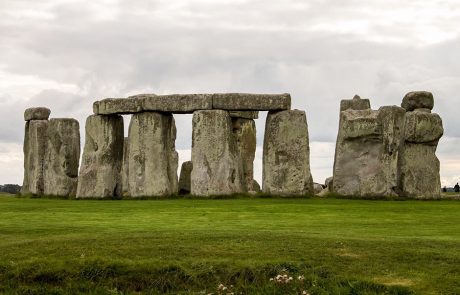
x: 389, y: 152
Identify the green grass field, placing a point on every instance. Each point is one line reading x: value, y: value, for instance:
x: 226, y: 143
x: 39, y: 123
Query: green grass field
x: 50, y: 246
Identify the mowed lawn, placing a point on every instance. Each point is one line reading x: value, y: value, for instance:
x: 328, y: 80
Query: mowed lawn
x: 192, y: 245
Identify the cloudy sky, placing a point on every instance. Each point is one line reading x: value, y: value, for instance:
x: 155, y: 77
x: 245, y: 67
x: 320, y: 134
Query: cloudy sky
x: 64, y: 54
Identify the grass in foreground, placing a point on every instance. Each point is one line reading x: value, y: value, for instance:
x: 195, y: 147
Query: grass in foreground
x: 191, y: 246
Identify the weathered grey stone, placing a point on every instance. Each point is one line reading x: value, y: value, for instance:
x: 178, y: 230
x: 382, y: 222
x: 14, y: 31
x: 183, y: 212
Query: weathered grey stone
x: 185, y: 178
x: 175, y: 103
x: 419, y: 164
x: 244, y: 114
x: 35, y: 140
x: 418, y: 99
x: 286, y: 154
x: 367, y: 150
x: 246, y: 101
x: 422, y: 127
x: 255, y: 186
x: 245, y: 135
x: 317, y: 188
x: 355, y: 104
x: 422, y: 110
x: 112, y: 106
x: 62, y: 158
x: 102, y: 157
x: 152, y: 156
x: 125, y: 169
x: 217, y: 166
x: 329, y: 182
x: 39, y: 113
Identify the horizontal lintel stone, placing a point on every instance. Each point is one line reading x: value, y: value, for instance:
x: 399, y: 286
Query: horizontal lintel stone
x: 249, y: 101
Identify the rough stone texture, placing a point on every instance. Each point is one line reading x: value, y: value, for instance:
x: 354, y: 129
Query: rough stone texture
x: 244, y: 114
x: 367, y: 150
x: 62, y: 158
x: 184, y: 178
x: 125, y: 169
x: 102, y: 157
x: 152, y: 159
x: 111, y: 106
x: 417, y: 100
x: 286, y: 155
x: 355, y: 104
x: 217, y: 166
x: 245, y: 135
x: 419, y: 164
x: 35, y: 140
x: 317, y: 188
x: 246, y: 101
x: 329, y: 182
x: 39, y: 113
x: 175, y: 103
x: 255, y: 186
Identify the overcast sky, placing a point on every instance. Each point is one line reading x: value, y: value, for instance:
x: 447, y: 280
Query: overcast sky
x: 66, y: 54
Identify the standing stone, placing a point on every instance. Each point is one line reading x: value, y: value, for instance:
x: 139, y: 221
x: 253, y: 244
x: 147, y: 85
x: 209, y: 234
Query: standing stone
x: 419, y: 164
x: 367, y: 150
x: 125, y: 169
x: 286, y: 155
x: 244, y: 131
x: 152, y: 160
x: 102, y: 157
x: 62, y: 158
x: 217, y: 166
x: 35, y: 139
x: 184, y: 178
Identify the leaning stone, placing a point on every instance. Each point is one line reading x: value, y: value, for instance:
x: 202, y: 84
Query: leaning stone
x: 246, y: 101
x: 286, y: 154
x: 112, y: 106
x: 152, y: 156
x: 184, y: 178
x: 244, y: 114
x: 62, y: 158
x: 255, y: 186
x: 418, y: 99
x: 355, y: 104
x: 175, y: 103
x: 39, y: 113
x: 329, y: 183
x: 102, y: 158
x: 423, y: 127
x: 245, y: 135
x: 125, y: 169
x: 217, y: 166
x: 35, y: 140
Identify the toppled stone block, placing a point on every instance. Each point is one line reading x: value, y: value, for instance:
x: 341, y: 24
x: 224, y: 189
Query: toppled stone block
x: 102, y: 158
x: 418, y: 100
x: 113, y: 106
x: 367, y: 150
x: 175, y: 103
x: 247, y: 101
x: 286, y: 155
x: 355, y: 104
x: 217, y: 166
x: 152, y: 159
x: 39, y: 113
x: 244, y: 114
x: 62, y: 158
x: 35, y: 140
x: 422, y: 127
x: 244, y: 131
x: 185, y: 178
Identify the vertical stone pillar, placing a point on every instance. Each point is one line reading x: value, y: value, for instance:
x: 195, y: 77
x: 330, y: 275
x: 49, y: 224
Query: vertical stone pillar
x: 62, y: 158
x: 286, y: 155
x: 245, y: 135
x: 419, y: 165
x: 102, y: 157
x: 125, y: 169
x: 184, y: 178
x: 152, y: 160
x: 217, y: 166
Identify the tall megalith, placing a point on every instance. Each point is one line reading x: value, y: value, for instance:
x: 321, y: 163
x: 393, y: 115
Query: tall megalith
x: 102, y: 157
x: 184, y: 178
x: 152, y: 157
x: 62, y: 158
x: 217, y: 165
x: 125, y: 169
x: 419, y: 165
x: 244, y: 131
x: 286, y: 154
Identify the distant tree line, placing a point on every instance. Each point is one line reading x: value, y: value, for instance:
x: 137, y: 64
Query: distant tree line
x: 10, y: 188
